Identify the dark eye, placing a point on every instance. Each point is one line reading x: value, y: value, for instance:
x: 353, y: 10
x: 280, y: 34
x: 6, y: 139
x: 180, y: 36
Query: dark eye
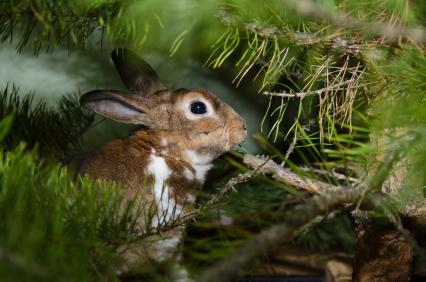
x: 198, y: 108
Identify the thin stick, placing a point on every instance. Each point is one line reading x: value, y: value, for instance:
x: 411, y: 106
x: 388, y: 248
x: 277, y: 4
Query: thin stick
x: 333, y: 174
x: 333, y: 87
x: 287, y: 176
x: 266, y: 241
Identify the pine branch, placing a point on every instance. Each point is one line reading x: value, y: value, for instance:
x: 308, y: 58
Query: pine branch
x: 54, y: 130
x: 388, y: 31
x: 335, y: 42
x: 288, y: 177
x: 333, y: 87
x: 266, y: 242
x: 49, y: 23
x: 60, y: 226
x: 333, y: 174
x: 232, y: 183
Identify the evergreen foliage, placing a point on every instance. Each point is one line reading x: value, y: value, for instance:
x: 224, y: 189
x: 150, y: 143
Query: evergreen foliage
x: 55, y: 131
x: 54, y: 228
x: 345, y: 81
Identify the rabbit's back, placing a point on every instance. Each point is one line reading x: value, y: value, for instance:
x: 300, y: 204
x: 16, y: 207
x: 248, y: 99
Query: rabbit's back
x: 111, y: 162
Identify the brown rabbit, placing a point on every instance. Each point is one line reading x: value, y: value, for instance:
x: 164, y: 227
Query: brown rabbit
x: 163, y: 164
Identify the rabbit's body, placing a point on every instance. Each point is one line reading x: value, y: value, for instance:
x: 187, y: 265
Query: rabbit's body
x: 158, y: 173
x: 164, y: 186
x: 163, y: 164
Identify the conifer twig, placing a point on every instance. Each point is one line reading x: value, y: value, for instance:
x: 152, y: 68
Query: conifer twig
x: 233, y: 182
x: 333, y: 174
x: 287, y: 176
x: 266, y: 241
x: 333, y: 87
x: 228, y: 187
x: 389, y: 32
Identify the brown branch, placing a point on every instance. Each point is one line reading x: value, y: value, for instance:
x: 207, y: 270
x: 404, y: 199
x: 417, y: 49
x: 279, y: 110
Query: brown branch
x: 287, y: 176
x: 294, y: 260
x: 267, y: 240
x: 333, y: 174
x: 39, y: 17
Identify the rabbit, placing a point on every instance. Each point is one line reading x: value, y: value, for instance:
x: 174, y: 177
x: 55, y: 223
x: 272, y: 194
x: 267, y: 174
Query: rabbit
x: 164, y: 163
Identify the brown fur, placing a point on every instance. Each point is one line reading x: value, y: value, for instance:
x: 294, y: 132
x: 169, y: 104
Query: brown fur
x: 187, y: 142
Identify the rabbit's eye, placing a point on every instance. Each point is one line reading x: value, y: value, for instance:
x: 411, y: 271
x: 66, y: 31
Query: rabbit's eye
x: 198, y: 108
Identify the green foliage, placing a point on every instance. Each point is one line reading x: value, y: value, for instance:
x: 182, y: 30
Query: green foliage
x: 54, y: 228
x: 401, y: 119
x: 54, y: 130
x: 340, y: 76
x: 47, y: 24
x: 255, y: 206
x: 328, y: 234
x: 291, y: 47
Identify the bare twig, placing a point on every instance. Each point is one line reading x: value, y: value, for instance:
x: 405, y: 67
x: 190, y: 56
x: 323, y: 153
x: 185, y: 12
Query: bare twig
x: 231, y: 184
x: 288, y: 177
x: 333, y: 87
x: 333, y: 174
x: 267, y: 240
x: 291, y: 148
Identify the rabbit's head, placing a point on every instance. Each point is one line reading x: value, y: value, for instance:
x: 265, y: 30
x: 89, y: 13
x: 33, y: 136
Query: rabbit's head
x: 194, y: 119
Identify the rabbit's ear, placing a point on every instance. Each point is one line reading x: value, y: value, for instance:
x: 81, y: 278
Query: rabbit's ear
x: 117, y: 106
x: 136, y: 74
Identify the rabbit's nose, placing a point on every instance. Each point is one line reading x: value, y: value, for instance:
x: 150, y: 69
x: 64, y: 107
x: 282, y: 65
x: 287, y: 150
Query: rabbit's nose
x: 244, y: 126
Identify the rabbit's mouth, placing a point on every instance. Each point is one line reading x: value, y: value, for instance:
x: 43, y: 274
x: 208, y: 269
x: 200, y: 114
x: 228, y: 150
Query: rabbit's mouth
x: 236, y: 136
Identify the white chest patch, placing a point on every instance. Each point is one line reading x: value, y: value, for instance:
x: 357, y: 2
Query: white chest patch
x: 167, y: 247
x: 167, y: 208
x: 191, y: 198
x: 201, y: 164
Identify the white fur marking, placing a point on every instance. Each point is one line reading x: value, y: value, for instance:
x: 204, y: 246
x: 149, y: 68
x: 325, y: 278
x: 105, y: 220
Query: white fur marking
x: 201, y: 164
x: 166, y: 247
x: 190, y: 199
x: 188, y: 174
x: 198, y: 159
x: 180, y: 274
x: 167, y: 208
x: 226, y: 219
